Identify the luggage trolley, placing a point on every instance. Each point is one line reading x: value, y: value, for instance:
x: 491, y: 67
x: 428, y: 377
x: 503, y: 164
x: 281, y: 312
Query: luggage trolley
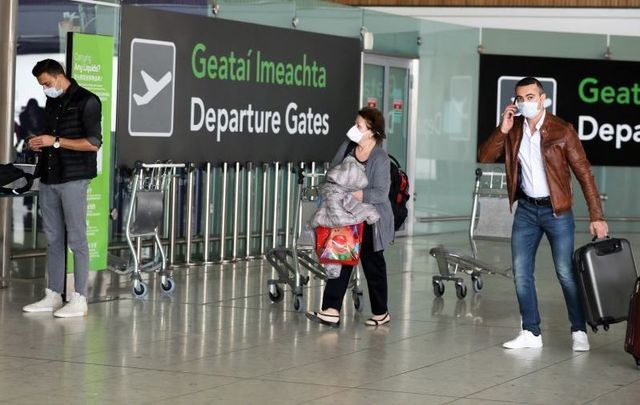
x: 288, y: 261
x: 491, y: 219
x: 145, y: 216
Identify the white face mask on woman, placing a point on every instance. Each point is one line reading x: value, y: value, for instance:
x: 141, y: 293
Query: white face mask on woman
x: 354, y: 134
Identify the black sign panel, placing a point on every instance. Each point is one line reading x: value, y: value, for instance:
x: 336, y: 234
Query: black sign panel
x: 197, y: 89
x: 600, y: 98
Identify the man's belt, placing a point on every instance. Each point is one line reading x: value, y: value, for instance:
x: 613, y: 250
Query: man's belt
x: 541, y: 201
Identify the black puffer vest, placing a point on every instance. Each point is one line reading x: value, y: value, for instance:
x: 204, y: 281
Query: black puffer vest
x: 64, y: 119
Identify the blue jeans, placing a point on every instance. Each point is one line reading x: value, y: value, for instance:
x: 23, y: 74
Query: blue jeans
x: 530, y: 223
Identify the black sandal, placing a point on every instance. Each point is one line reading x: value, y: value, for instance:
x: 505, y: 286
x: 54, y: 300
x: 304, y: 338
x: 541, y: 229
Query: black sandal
x: 316, y: 317
x: 378, y: 322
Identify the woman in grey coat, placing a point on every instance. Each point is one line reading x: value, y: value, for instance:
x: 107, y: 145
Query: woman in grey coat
x: 365, y: 144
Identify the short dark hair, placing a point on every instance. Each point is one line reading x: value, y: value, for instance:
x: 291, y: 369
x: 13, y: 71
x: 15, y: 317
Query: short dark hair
x: 375, y: 122
x: 49, y: 66
x: 527, y: 81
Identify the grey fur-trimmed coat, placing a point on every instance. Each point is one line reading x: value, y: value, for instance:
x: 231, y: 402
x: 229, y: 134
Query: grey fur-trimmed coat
x: 338, y: 206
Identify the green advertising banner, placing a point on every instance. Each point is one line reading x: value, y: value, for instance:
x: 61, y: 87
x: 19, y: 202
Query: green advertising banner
x: 90, y: 63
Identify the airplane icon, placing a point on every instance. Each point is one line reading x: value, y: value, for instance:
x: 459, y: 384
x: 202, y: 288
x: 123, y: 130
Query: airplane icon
x: 153, y: 87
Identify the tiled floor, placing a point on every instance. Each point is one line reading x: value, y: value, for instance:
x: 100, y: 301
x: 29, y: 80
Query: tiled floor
x: 220, y: 340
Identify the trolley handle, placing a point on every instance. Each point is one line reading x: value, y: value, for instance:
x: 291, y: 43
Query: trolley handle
x: 302, y: 175
x: 140, y: 165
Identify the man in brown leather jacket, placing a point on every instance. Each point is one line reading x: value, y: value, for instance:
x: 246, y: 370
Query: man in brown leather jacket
x: 540, y: 152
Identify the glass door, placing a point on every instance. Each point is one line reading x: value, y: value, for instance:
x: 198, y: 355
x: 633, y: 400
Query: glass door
x: 388, y: 85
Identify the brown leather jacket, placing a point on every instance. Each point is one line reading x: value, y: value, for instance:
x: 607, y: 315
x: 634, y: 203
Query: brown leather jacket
x: 561, y: 149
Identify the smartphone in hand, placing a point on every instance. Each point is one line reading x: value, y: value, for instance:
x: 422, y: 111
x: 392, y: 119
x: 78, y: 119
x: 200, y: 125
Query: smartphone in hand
x: 517, y: 113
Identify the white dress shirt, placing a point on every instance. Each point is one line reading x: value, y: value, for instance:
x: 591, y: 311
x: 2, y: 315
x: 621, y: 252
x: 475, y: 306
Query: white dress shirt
x: 534, y: 179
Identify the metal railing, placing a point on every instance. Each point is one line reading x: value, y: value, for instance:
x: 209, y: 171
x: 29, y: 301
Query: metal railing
x: 224, y: 213
x: 215, y: 213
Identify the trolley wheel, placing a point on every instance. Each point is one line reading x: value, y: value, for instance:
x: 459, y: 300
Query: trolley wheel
x: 141, y: 291
x: 461, y: 290
x: 476, y: 284
x: 298, y: 303
x: 169, y: 286
x: 357, y: 300
x: 275, y: 293
x: 638, y: 362
x: 606, y: 327
x: 594, y: 329
x: 438, y: 288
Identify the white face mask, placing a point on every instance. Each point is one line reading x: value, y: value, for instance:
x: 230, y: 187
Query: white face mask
x: 354, y: 134
x: 53, y: 92
x: 528, y: 108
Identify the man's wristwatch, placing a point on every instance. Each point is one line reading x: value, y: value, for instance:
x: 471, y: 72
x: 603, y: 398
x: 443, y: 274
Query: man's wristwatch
x: 56, y: 143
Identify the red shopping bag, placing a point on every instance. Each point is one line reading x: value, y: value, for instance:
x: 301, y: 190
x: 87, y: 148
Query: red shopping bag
x: 339, y: 245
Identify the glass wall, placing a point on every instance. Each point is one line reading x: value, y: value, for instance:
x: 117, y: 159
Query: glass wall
x: 445, y: 151
x: 446, y: 142
x: 615, y: 183
x: 446, y: 138
x: 41, y: 33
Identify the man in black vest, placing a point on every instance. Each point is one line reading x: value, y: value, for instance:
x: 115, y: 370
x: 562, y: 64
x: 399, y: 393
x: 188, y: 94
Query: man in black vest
x: 68, y: 162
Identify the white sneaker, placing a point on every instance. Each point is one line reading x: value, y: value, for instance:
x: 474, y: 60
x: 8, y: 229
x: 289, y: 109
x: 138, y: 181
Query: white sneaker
x: 52, y: 301
x: 77, y: 306
x: 524, y: 340
x: 580, y: 341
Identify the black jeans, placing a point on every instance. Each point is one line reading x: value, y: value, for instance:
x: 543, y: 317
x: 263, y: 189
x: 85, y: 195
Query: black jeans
x: 375, y: 270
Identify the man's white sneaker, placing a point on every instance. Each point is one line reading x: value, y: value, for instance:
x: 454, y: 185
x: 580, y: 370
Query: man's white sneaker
x: 580, y: 341
x: 524, y: 340
x: 77, y: 306
x: 52, y: 301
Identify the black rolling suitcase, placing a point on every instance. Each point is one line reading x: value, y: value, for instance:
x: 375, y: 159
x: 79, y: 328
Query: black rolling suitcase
x: 632, y: 339
x: 606, y: 275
